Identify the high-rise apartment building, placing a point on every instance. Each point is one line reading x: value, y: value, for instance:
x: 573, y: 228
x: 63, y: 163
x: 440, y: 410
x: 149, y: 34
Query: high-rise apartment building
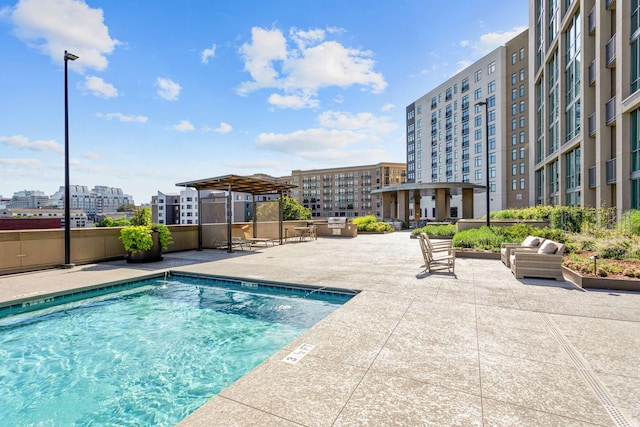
x: 98, y: 201
x: 345, y: 191
x: 447, y: 132
x: 585, y: 82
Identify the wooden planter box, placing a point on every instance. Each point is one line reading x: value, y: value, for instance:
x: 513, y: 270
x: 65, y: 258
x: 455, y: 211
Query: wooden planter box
x: 601, y: 282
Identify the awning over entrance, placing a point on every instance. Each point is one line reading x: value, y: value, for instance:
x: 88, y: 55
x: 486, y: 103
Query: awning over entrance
x: 241, y: 184
x: 395, y: 198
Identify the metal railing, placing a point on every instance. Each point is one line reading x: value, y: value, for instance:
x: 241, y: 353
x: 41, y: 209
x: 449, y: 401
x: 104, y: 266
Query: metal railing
x: 610, y: 109
x: 592, y: 177
x: 592, y: 73
x: 592, y: 124
x: 611, y: 51
x: 611, y: 171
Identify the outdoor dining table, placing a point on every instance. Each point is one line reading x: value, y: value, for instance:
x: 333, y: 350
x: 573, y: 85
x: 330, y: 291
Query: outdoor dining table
x: 304, y: 233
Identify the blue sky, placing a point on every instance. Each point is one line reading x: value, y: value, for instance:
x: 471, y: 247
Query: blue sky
x: 167, y: 91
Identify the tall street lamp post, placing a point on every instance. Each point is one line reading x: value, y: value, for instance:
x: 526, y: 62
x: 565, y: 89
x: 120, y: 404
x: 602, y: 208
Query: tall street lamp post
x: 67, y: 202
x: 486, y: 134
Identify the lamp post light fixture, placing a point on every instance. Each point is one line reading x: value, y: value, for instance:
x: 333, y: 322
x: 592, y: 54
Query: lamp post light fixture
x: 67, y: 208
x: 486, y: 133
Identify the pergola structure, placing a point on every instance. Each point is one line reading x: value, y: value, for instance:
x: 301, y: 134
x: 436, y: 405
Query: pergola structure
x: 240, y: 184
x: 395, y: 198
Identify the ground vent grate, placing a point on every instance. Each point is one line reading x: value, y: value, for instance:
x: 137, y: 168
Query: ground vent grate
x: 583, y: 368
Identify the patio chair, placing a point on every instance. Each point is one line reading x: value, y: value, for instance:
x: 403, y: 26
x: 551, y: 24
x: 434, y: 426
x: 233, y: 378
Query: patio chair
x: 434, y: 257
x: 531, y: 243
x: 546, y: 262
x: 249, y: 238
x: 436, y: 245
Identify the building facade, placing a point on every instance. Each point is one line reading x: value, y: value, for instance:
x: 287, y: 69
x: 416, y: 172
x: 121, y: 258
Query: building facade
x: 345, y: 191
x: 78, y: 217
x: 449, y: 127
x: 585, y: 71
x: 98, y: 201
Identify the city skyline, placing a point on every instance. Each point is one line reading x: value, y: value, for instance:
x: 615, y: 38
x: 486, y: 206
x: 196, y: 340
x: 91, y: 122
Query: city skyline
x: 177, y: 92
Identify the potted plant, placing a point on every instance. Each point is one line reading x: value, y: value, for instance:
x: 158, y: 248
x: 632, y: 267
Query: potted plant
x: 144, y: 240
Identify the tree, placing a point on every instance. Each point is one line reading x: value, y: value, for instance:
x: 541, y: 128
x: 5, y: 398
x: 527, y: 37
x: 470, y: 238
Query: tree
x: 291, y: 210
x: 111, y: 222
x: 127, y: 208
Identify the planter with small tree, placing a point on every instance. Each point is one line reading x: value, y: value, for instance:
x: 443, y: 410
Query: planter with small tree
x: 143, y: 240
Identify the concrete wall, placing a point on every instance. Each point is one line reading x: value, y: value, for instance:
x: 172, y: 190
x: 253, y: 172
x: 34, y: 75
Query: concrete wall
x: 28, y: 250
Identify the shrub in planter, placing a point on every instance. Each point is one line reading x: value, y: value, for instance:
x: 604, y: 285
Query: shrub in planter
x: 138, y: 237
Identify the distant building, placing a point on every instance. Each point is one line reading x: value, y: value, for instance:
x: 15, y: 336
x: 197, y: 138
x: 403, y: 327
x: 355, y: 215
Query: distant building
x: 94, y: 202
x: 78, y: 217
x: 171, y: 209
x: 447, y: 132
x: 345, y: 191
x: 29, y: 200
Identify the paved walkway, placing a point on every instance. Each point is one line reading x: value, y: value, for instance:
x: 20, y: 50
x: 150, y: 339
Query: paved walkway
x: 412, y: 349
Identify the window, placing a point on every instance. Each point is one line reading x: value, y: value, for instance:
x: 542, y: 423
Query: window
x: 521, y: 122
x: 419, y: 109
x: 522, y: 106
x: 514, y: 58
x: 491, y: 87
x: 522, y: 152
x: 477, y: 94
x: 635, y: 45
x: 514, y: 94
x: 514, y: 154
x: 514, y: 78
x: 521, y: 54
x: 514, y: 170
x: 478, y: 148
x: 521, y: 137
x: 478, y: 120
x: 492, y: 172
x: 478, y: 134
x: 492, y: 115
x: 514, y: 184
x: 514, y: 124
x: 465, y: 84
x: 522, y: 74
x: 478, y: 161
x: 478, y: 174
x: 514, y: 109
x: 521, y: 90
x: 572, y: 78
x: 521, y: 168
x: 514, y: 139
x: 492, y: 143
x: 477, y: 76
x: 491, y: 68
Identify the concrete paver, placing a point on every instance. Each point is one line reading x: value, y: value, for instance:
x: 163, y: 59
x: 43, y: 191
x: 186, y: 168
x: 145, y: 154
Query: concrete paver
x: 475, y: 348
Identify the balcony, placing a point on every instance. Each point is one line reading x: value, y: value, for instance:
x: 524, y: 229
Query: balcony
x: 448, y: 113
x: 592, y: 21
x: 610, y: 109
x: 433, y: 105
x: 592, y: 177
x: 592, y: 124
x: 611, y: 171
x: 610, y: 50
x: 465, y: 87
x: 592, y: 73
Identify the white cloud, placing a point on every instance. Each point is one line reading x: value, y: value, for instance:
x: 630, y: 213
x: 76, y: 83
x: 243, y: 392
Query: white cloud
x: 183, y: 126
x: 99, y: 87
x: 313, y: 63
x: 223, y: 128
x: 388, y: 107
x: 365, y: 122
x: 490, y: 41
x: 27, y: 163
x: 53, y: 26
x: 21, y: 141
x: 293, y: 101
x: 122, y: 117
x: 208, y: 53
x: 168, y: 89
x: 91, y: 155
x: 340, y: 136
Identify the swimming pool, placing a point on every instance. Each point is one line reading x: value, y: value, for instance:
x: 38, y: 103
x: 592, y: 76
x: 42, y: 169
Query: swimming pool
x: 149, y: 353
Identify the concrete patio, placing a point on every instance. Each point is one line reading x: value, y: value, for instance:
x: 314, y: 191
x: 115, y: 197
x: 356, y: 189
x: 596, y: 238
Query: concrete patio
x: 478, y: 348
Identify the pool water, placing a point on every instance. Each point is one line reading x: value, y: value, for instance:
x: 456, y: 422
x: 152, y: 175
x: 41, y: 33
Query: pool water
x: 145, y: 356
